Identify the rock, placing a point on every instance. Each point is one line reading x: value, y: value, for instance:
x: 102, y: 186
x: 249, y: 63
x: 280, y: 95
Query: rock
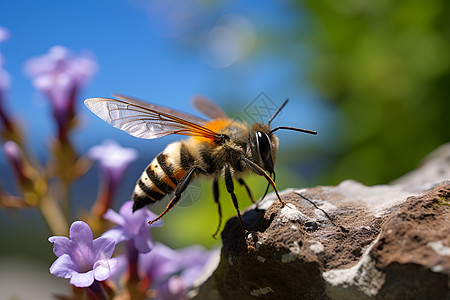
x: 344, y: 242
x: 413, y: 249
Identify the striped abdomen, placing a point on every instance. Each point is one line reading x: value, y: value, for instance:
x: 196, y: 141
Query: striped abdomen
x: 160, y: 178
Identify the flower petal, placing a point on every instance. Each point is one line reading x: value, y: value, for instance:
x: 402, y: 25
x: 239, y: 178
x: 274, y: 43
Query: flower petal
x: 173, y: 288
x: 117, y: 233
x: 103, y: 247
x: 104, y: 268
x: 114, y: 217
x: 4, y: 34
x: 61, y: 245
x: 63, y: 267
x: 81, y: 233
x: 159, y: 263
x: 118, y: 269
x: 126, y: 209
x: 143, y: 241
x: 113, y: 158
x: 135, y: 220
x: 82, y: 279
x: 176, y: 285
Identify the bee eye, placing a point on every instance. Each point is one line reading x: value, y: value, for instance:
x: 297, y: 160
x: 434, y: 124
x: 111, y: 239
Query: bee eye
x: 265, y: 150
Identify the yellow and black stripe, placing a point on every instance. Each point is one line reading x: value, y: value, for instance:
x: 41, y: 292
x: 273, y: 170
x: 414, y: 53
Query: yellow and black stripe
x: 162, y: 175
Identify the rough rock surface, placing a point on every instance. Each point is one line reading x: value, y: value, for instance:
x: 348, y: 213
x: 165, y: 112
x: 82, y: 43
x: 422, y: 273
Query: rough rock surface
x: 344, y: 242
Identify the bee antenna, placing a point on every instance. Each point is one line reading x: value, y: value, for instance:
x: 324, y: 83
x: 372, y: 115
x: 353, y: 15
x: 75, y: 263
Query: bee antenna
x: 293, y: 128
x: 278, y: 110
x: 286, y: 127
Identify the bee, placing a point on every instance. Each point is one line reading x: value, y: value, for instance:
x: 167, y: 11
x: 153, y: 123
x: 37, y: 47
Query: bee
x: 219, y: 147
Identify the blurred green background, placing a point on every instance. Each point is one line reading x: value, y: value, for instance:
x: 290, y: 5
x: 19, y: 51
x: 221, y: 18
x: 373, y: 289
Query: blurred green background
x: 372, y: 77
x: 385, y: 67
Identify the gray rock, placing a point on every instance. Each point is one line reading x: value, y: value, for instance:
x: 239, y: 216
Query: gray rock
x: 348, y: 241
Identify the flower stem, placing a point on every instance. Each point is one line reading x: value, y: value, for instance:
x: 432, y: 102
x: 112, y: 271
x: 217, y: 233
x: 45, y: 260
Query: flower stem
x: 53, y: 216
x: 66, y: 203
x: 133, y: 256
x: 133, y: 281
x: 105, y: 197
x: 96, y: 292
x: 4, y: 116
x: 64, y: 168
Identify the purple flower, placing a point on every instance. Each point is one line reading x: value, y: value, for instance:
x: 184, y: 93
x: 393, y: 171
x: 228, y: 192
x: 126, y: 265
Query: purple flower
x: 81, y: 258
x: 60, y: 68
x: 160, y: 263
x: 132, y: 226
x: 174, y: 288
x: 13, y: 154
x: 113, y: 159
x: 60, y: 74
x: 4, y: 34
x: 4, y: 77
x: 4, y: 82
x: 193, y: 262
x: 154, y: 267
x: 173, y: 272
x: 16, y: 158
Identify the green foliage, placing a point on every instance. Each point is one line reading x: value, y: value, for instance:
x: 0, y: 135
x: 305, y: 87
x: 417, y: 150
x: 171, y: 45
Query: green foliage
x: 385, y: 65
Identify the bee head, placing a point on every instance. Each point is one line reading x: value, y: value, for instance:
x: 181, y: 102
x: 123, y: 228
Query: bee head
x: 265, y: 142
x: 265, y: 146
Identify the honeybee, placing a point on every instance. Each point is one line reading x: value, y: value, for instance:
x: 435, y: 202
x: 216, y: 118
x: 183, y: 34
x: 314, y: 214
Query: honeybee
x: 219, y: 147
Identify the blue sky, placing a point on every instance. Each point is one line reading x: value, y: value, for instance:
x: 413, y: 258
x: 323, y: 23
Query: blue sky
x: 136, y: 58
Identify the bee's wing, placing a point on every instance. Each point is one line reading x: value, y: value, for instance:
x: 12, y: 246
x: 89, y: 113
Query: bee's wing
x: 208, y: 108
x: 162, y: 109
x: 146, y: 120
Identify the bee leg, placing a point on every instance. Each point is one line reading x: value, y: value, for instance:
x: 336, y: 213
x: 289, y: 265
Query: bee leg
x: 260, y: 171
x: 216, y: 200
x: 242, y: 182
x: 184, y: 182
x: 230, y: 189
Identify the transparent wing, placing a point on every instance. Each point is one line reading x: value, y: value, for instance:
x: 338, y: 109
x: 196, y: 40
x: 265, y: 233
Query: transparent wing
x: 147, y: 121
x: 208, y: 108
x: 162, y: 109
